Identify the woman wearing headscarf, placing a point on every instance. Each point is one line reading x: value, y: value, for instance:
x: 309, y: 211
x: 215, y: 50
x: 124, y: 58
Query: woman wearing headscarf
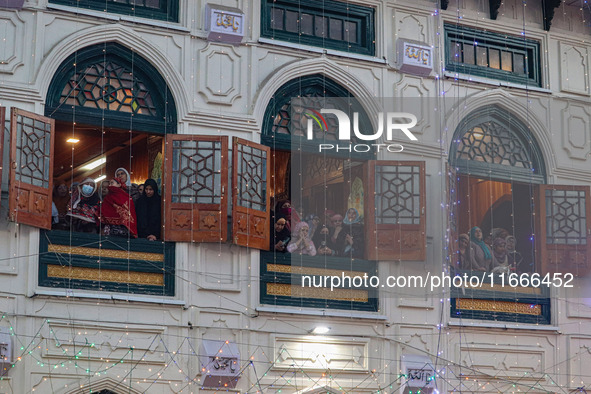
x: 84, y: 206
x: 283, y: 209
x: 323, y: 242
x: 103, y: 189
x: 350, y: 242
x: 500, y: 260
x: 61, y: 199
x: 301, y: 242
x: 280, y: 236
x: 313, y: 221
x: 482, y: 255
x: 466, y: 254
x: 515, y: 258
x: 132, y: 188
x: 149, y: 211
x: 118, y: 211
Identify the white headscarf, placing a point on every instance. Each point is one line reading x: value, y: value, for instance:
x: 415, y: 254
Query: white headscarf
x: 128, y: 182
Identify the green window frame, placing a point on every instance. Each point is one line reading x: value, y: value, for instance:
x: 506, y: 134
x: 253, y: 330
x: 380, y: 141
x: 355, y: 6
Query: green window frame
x: 106, y: 264
x: 165, y: 10
x: 492, y: 55
x: 82, y: 93
x: 281, y: 282
x: 327, y: 24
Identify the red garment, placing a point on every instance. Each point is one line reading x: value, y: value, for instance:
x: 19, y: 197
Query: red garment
x: 118, y: 208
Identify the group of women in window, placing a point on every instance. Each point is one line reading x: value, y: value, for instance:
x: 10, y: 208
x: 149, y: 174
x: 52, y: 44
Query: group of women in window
x: 495, y: 253
x: 338, y: 235
x: 117, y: 207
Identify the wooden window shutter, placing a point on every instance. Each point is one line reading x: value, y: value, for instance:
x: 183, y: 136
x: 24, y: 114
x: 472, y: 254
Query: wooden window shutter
x: 395, y: 214
x: 452, y: 216
x: 2, y: 122
x: 565, y: 229
x: 31, y: 168
x: 196, y: 180
x: 251, y: 197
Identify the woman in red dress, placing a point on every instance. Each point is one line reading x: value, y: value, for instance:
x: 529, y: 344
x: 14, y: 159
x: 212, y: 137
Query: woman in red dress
x: 118, y: 211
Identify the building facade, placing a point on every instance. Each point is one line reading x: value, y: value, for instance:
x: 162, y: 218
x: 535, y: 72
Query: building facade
x: 199, y: 96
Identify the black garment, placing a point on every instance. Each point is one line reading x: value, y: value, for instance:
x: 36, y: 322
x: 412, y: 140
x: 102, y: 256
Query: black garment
x: 148, y: 211
x: 323, y: 240
x: 356, y: 250
x: 283, y: 235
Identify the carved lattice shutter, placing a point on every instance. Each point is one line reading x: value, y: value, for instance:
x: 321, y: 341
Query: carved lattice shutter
x: 395, y: 213
x: 196, y: 179
x: 251, y: 196
x: 31, y: 168
x: 565, y: 229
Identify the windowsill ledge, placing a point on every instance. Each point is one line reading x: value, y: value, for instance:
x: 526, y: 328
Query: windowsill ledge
x: 314, y: 49
x: 111, y: 297
x: 321, y: 312
x: 115, y: 17
x: 504, y: 326
x: 494, y: 82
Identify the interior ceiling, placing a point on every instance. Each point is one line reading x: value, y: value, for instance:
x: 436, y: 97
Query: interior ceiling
x: 92, y: 145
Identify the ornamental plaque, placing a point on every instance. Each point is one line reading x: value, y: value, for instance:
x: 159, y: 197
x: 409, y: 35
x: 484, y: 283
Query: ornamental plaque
x: 224, y: 24
x: 414, y: 58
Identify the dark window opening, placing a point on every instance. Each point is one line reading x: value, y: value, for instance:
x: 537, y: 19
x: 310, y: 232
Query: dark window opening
x: 329, y: 24
x: 492, y: 55
x: 96, y: 156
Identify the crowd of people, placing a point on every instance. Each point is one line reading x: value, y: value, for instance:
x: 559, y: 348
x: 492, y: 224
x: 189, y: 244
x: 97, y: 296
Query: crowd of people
x: 115, y: 207
x: 494, y: 253
x: 333, y: 235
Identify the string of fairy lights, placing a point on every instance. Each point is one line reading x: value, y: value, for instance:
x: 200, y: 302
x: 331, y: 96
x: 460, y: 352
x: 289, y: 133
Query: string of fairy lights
x: 178, y: 352
x: 75, y: 358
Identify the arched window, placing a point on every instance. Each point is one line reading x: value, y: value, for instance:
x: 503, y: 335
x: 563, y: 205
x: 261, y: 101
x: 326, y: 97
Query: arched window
x: 110, y: 85
x: 284, y: 124
x: 498, y: 184
x: 493, y: 143
x: 108, y: 108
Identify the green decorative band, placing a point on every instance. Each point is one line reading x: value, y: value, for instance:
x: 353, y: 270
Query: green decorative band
x: 106, y: 253
x: 105, y: 275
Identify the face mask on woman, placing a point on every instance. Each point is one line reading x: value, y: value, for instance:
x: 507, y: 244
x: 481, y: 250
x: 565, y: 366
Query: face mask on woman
x: 87, y: 190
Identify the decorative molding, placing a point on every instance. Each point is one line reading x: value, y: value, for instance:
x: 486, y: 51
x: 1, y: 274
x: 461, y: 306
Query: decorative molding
x: 411, y: 26
x: 220, y: 268
x: 102, y: 342
x: 11, y: 50
x: 579, y: 359
x: 220, y: 76
x: 574, y: 66
x: 321, y: 353
x: 576, y: 122
x: 502, y: 361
